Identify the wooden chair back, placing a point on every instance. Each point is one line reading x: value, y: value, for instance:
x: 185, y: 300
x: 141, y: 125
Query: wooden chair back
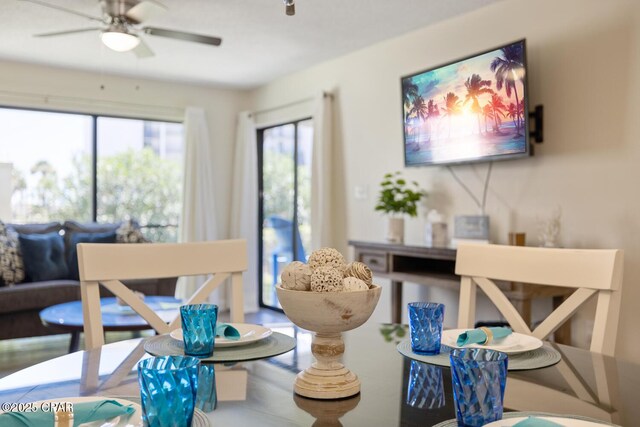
x: 592, y: 272
x: 107, y: 264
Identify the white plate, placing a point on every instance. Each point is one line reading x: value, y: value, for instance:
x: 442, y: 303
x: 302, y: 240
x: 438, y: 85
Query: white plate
x: 511, y: 344
x: 565, y: 422
x: 133, y: 420
x: 248, y: 334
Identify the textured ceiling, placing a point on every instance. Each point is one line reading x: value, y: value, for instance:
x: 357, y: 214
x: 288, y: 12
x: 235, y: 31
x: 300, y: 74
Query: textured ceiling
x: 260, y: 42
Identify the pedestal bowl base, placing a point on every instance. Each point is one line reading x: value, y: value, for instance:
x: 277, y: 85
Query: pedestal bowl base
x: 327, y: 384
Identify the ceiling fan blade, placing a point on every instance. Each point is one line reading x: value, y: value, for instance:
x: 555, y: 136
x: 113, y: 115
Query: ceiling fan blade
x: 143, y: 50
x: 180, y: 35
x: 62, y: 33
x: 145, y: 10
x: 64, y: 9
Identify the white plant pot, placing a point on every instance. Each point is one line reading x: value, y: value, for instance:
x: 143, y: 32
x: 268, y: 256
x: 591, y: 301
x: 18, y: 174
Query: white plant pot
x: 395, y: 230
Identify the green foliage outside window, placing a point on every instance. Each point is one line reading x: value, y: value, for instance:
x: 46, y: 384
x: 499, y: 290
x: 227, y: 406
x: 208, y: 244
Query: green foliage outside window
x: 143, y: 186
x: 277, y: 176
x: 135, y: 184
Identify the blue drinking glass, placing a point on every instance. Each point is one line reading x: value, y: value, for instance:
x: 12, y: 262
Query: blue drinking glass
x: 479, y: 377
x: 199, y: 328
x: 168, y: 387
x: 425, y: 327
x: 207, y: 399
x: 426, y: 388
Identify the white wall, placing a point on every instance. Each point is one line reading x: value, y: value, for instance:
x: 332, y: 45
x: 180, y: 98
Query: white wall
x: 23, y: 85
x: 584, y: 67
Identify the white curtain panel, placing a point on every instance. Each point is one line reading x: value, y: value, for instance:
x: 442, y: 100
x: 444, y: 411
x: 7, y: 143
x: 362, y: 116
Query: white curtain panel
x: 321, y: 172
x: 244, y: 203
x: 5, y: 191
x: 198, y: 221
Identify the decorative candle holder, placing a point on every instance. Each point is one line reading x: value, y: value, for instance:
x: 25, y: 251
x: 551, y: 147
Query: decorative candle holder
x: 328, y: 314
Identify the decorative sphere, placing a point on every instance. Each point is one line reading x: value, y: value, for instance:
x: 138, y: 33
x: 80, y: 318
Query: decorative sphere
x: 326, y: 279
x: 359, y: 270
x: 351, y: 284
x: 327, y: 257
x: 296, y: 276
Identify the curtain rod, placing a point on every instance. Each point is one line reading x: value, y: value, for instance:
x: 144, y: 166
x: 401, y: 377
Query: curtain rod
x: 87, y: 102
x: 290, y: 104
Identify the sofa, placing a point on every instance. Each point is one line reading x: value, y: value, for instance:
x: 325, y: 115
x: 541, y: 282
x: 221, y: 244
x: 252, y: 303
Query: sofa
x: 45, y: 283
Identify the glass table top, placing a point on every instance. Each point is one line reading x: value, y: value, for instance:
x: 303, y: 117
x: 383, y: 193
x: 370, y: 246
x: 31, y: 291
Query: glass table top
x: 396, y: 391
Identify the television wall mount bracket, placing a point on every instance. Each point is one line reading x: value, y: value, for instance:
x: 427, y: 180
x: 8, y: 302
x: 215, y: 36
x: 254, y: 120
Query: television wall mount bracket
x: 536, y: 116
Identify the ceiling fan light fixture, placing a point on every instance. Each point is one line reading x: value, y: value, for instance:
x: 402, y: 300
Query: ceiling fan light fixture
x: 118, y: 40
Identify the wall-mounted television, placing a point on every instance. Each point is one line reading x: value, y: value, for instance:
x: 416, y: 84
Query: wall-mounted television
x: 471, y: 110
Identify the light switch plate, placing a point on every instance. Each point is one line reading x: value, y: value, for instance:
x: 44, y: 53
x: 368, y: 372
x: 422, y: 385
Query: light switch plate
x: 361, y: 192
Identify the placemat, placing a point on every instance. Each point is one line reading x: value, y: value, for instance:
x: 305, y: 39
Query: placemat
x: 275, y: 344
x: 534, y: 359
x: 506, y: 415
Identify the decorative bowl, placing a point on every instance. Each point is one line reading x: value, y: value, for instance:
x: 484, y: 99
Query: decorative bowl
x: 328, y: 314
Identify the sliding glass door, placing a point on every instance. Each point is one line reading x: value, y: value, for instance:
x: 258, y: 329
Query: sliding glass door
x: 285, y: 201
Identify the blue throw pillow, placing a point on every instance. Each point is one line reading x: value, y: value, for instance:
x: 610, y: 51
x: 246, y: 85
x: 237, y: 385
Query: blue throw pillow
x: 72, y: 256
x: 43, y: 256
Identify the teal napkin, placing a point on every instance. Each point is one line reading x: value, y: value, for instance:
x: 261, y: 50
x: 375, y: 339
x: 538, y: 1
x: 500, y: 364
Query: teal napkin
x: 227, y: 331
x: 536, y: 422
x: 477, y: 336
x: 82, y: 413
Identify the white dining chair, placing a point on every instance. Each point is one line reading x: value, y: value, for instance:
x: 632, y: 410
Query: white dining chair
x: 591, y: 272
x: 107, y: 264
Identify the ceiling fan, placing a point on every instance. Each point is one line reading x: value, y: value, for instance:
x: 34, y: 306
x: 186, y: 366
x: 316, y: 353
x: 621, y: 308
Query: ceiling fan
x: 121, y: 27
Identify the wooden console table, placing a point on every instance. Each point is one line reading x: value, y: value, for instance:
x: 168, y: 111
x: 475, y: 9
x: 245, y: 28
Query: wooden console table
x: 436, y: 267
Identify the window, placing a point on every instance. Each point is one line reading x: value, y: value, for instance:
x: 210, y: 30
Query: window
x: 140, y: 174
x: 93, y: 168
x: 285, y: 201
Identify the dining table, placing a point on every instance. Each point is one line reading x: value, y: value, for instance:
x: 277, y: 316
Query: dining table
x: 395, y: 390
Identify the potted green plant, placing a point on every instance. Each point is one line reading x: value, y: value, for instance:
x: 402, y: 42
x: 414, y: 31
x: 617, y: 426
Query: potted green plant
x: 398, y: 198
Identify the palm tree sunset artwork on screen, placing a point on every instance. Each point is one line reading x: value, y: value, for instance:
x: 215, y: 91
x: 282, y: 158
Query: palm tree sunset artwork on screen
x: 470, y: 110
